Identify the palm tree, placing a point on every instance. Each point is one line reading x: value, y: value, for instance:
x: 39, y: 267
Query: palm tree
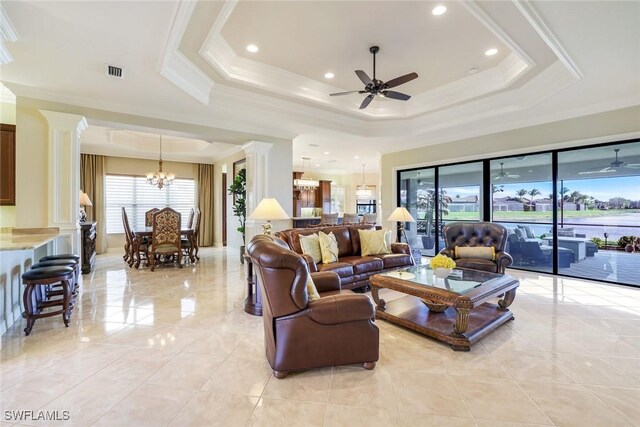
x: 521, y: 193
x: 533, y: 193
x: 575, y: 196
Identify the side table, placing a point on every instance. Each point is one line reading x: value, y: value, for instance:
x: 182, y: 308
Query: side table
x: 253, y: 302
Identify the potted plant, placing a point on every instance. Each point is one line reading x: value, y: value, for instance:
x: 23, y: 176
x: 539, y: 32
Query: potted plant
x: 239, y: 191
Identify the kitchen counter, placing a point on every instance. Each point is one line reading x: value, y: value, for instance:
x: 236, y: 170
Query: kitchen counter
x: 21, y: 242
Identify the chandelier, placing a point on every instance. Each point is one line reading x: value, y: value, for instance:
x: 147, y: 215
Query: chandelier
x: 160, y: 179
x: 305, y: 184
x: 362, y: 191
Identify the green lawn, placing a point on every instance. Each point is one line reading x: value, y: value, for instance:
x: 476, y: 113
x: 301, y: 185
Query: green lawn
x: 538, y: 216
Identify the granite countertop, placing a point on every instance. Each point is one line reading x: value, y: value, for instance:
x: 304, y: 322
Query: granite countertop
x: 12, y: 242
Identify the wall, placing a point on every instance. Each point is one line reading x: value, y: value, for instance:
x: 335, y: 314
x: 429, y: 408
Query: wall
x: 32, y: 151
x: 351, y: 182
x: 7, y: 116
x: 234, y: 238
x: 131, y: 166
x: 582, y: 131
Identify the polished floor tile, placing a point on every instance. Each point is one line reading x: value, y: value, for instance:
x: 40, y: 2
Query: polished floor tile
x: 174, y: 347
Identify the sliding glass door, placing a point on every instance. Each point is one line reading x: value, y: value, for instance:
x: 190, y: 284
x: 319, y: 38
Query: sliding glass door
x: 574, y: 212
x: 599, y: 212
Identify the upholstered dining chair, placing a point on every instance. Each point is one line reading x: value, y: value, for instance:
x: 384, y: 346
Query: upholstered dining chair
x: 190, y: 219
x: 136, y: 250
x: 148, y: 217
x: 329, y: 219
x: 300, y: 333
x: 477, y: 234
x: 369, y: 218
x: 350, y: 219
x: 195, y: 226
x: 165, y: 237
x: 128, y: 242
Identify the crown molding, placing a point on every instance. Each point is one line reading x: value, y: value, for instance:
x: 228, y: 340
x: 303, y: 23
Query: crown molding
x: 531, y: 14
x: 175, y: 66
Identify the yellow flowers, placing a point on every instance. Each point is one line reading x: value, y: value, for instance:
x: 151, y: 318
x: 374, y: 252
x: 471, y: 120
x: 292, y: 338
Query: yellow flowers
x: 442, y: 261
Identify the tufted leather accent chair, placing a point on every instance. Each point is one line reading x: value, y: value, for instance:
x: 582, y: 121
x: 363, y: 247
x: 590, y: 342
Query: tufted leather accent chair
x: 477, y: 234
x: 337, y: 329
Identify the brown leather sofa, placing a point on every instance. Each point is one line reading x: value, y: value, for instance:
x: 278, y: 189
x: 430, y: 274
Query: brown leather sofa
x: 337, y: 329
x: 354, y: 269
x: 477, y: 234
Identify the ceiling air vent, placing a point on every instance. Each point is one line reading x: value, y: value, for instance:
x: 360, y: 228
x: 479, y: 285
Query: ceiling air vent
x: 114, y: 71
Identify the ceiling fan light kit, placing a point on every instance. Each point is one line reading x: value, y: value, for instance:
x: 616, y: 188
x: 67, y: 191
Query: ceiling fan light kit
x: 374, y: 87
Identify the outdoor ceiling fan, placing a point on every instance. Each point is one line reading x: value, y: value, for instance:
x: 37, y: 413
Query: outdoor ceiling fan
x: 377, y: 87
x: 612, y: 167
x: 502, y: 174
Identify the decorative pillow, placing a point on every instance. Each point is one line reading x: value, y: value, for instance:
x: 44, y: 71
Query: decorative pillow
x: 312, y: 291
x: 328, y: 247
x: 311, y: 246
x: 520, y: 234
x: 374, y: 242
x: 481, y: 252
x: 527, y: 231
x: 566, y: 232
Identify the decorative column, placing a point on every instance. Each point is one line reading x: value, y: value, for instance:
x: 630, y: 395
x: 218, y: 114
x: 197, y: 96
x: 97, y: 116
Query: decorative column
x: 257, y: 153
x: 64, y: 176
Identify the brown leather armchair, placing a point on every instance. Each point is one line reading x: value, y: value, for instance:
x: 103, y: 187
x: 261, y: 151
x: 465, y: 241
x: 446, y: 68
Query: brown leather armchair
x: 477, y: 234
x: 337, y: 329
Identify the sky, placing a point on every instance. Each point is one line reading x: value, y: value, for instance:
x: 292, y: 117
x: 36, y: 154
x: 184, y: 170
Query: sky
x: 601, y: 188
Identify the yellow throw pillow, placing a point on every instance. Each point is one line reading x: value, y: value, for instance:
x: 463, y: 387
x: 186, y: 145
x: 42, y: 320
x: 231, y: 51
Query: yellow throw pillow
x: 480, y: 252
x: 375, y: 242
x: 312, y: 291
x: 328, y: 247
x: 311, y: 246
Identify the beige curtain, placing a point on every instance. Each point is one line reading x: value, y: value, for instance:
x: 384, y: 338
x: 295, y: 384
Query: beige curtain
x: 92, y: 183
x: 204, y: 182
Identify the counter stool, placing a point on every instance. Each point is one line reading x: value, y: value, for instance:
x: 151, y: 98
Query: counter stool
x: 41, y: 277
x: 66, y: 257
x: 56, y: 289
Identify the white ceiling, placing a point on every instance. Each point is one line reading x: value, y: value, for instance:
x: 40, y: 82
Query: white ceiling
x: 557, y: 60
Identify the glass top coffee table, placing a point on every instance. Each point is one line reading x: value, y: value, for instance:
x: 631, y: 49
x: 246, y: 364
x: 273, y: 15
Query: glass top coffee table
x: 455, y: 310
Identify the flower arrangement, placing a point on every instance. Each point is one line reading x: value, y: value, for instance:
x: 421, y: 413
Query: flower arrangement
x: 442, y: 261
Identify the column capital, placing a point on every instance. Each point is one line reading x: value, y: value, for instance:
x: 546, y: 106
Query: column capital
x: 257, y: 147
x: 65, y: 121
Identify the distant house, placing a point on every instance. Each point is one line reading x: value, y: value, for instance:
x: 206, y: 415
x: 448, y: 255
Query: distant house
x: 507, y: 204
x: 543, y: 205
x: 464, y: 204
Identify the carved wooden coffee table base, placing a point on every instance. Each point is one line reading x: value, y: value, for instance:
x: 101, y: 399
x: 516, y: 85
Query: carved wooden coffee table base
x: 459, y: 320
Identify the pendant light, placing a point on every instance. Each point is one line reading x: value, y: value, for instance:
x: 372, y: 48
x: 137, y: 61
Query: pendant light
x: 362, y: 191
x: 160, y: 179
x: 305, y: 184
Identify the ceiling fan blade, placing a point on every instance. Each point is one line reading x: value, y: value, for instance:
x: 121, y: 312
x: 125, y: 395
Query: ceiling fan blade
x: 513, y: 176
x: 366, y: 102
x: 396, y: 95
x: 400, y: 80
x: 345, y: 93
x: 634, y: 165
x: 364, y: 78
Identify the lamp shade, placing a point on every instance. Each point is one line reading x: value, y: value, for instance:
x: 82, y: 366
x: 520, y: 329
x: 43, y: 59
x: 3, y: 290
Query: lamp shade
x: 268, y: 209
x: 84, y: 199
x: 401, y: 215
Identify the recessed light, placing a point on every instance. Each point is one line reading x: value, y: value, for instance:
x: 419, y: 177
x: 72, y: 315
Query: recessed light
x: 252, y: 48
x: 317, y: 164
x: 356, y: 157
x: 491, y: 52
x: 439, y: 10
x: 329, y: 75
x: 326, y: 152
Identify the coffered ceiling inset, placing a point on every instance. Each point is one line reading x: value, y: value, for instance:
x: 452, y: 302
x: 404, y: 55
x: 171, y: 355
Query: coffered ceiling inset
x: 300, y: 41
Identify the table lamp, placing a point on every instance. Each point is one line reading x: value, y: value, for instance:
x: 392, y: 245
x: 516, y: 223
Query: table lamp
x: 84, y: 201
x: 268, y: 209
x: 401, y: 215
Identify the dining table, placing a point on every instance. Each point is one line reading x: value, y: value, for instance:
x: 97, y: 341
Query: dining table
x: 189, y: 233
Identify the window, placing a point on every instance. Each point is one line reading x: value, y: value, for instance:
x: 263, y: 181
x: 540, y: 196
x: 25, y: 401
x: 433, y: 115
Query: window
x: 136, y: 196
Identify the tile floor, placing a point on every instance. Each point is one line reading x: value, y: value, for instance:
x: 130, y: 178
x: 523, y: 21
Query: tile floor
x: 174, y: 347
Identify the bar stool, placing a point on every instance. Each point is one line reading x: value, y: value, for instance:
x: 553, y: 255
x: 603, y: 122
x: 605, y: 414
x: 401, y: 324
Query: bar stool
x: 75, y: 258
x: 56, y: 289
x: 37, y: 278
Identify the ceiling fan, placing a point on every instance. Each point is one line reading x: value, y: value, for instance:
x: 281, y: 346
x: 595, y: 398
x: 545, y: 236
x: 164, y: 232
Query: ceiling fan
x: 502, y: 174
x: 613, y: 166
x: 377, y: 87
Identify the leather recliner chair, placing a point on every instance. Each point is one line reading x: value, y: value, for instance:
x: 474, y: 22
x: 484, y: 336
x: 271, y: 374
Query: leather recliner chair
x: 477, y: 234
x: 337, y: 329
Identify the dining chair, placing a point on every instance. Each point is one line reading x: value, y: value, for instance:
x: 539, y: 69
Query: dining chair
x: 148, y: 217
x: 190, y: 219
x: 349, y: 219
x: 192, y: 250
x: 165, y: 236
x: 128, y: 246
x: 136, y: 249
x: 369, y: 218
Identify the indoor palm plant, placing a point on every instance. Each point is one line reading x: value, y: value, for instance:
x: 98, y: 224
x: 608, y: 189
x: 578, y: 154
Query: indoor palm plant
x: 239, y: 191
